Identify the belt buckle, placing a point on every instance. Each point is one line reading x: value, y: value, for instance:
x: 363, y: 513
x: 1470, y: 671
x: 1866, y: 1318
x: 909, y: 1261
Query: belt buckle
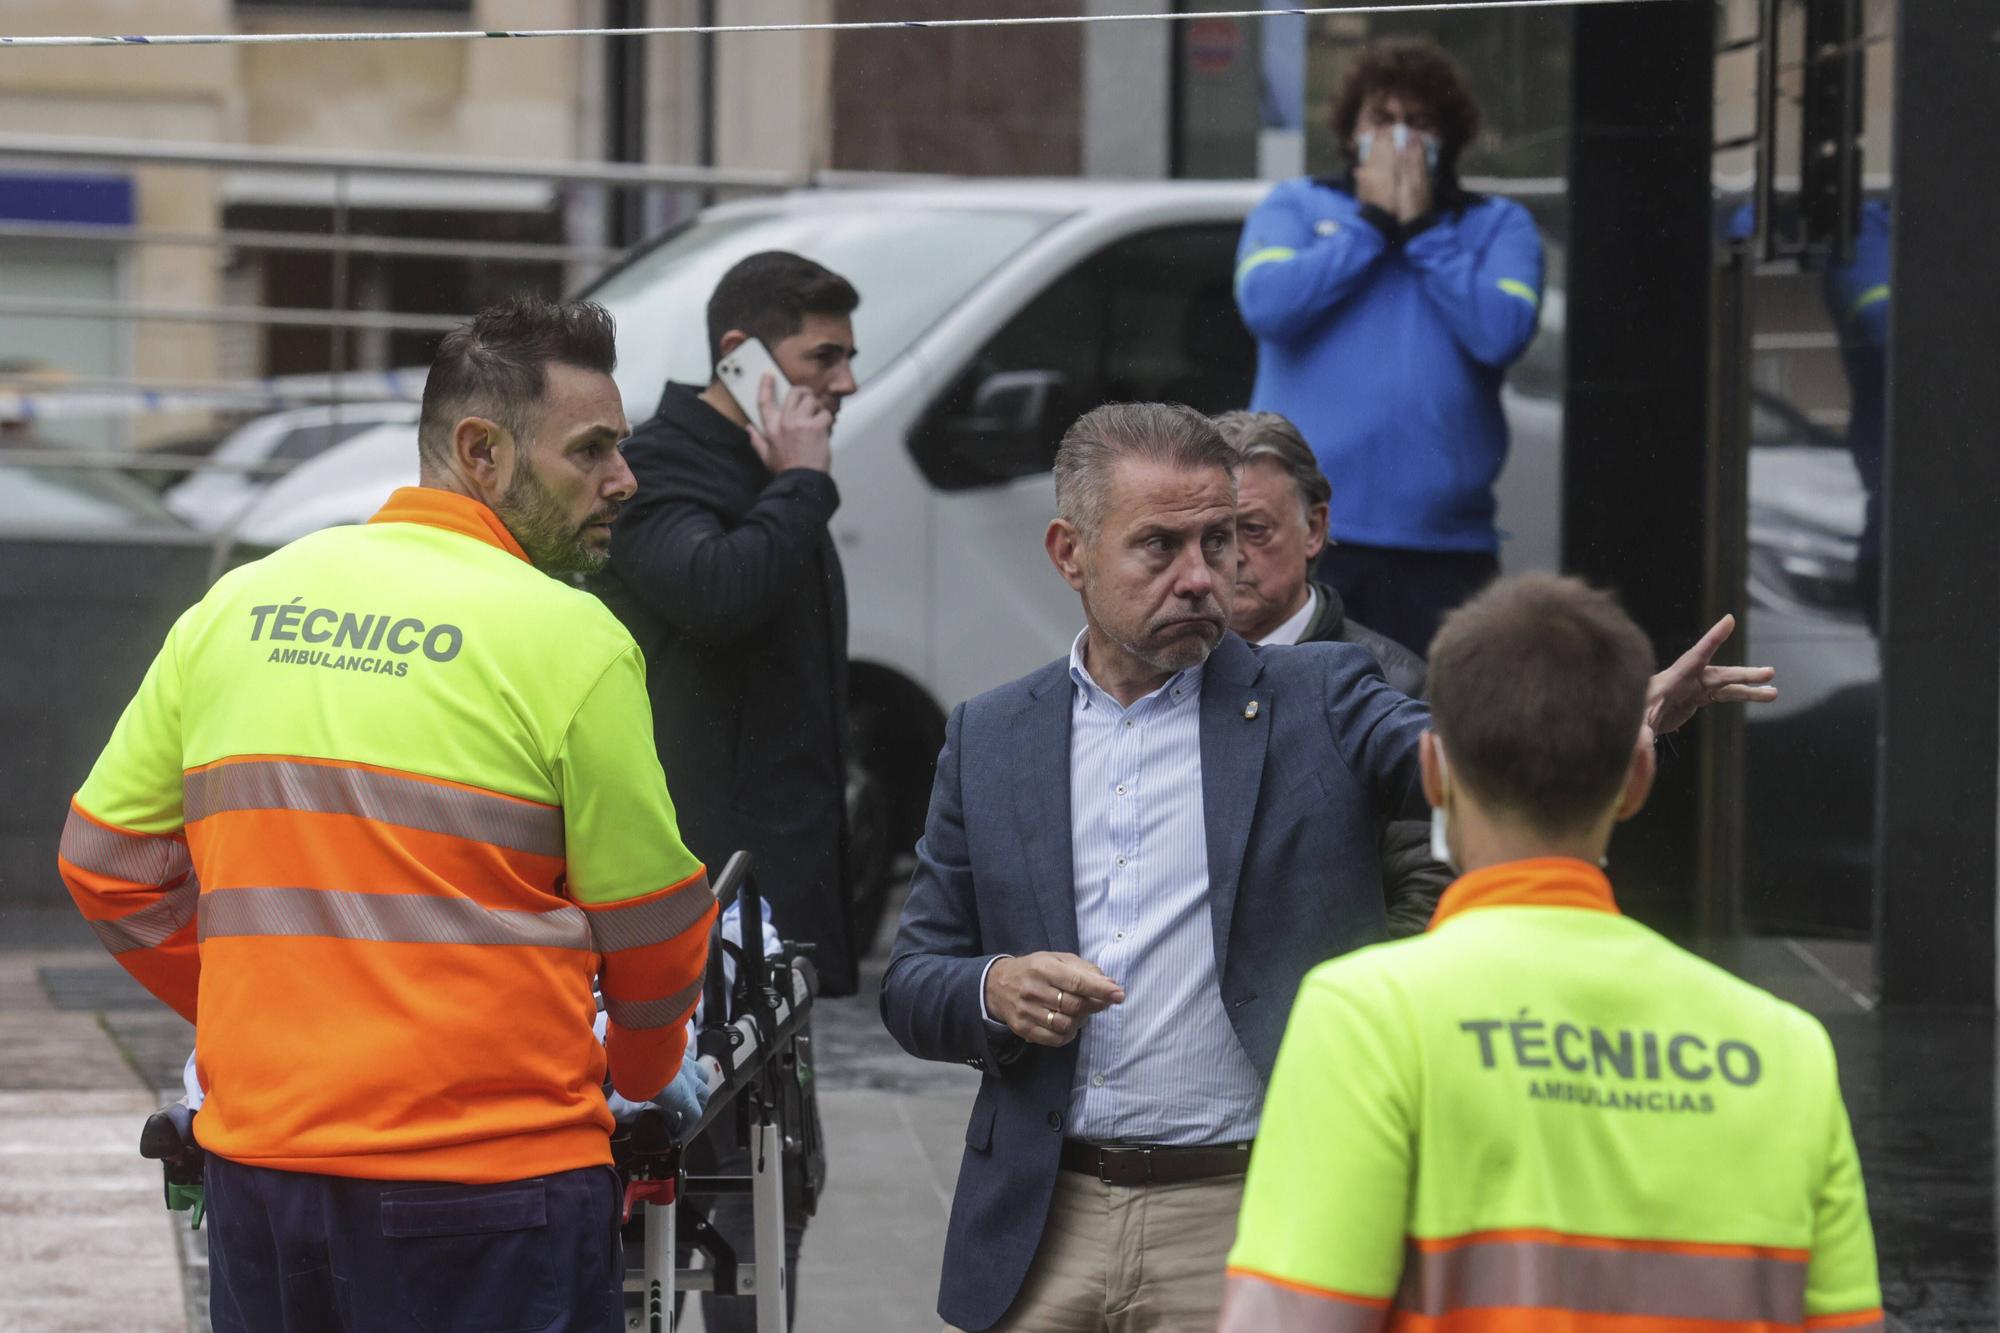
x: 1105, y: 1157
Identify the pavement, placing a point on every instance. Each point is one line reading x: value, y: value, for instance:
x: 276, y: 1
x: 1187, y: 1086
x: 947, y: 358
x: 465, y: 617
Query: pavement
x: 85, y: 1242
x: 86, y: 1055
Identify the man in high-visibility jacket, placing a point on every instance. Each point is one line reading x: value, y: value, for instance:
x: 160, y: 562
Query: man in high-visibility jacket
x: 384, y: 806
x: 1541, y: 1115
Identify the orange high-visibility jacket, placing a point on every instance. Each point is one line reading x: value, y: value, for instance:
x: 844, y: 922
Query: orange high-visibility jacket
x: 383, y: 807
x: 1541, y: 1117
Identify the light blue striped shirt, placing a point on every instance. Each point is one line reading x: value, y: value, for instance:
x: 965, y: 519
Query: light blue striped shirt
x: 1165, y: 1066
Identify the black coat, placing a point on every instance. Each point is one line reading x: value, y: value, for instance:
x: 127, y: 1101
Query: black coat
x: 1412, y: 882
x: 727, y: 577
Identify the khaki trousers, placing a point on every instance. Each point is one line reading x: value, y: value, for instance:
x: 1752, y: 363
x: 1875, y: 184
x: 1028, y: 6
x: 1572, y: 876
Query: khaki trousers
x: 1129, y: 1258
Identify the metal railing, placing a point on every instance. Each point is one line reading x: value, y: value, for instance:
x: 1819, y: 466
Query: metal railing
x: 350, y: 178
x: 347, y: 174
x: 76, y: 149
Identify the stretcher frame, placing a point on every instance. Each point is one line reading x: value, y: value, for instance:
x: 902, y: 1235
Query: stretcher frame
x: 748, y: 1028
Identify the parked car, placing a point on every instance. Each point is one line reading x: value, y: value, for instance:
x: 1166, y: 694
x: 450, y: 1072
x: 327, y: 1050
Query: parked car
x: 213, y: 499
x: 48, y: 499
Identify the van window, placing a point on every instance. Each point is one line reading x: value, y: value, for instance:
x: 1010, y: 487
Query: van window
x: 911, y: 264
x: 1148, y: 318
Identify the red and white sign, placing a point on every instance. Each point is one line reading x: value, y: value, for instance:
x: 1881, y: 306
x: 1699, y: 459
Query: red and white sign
x: 1213, y: 44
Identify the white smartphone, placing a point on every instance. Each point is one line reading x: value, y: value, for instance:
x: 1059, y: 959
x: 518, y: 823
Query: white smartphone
x: 743, y: 370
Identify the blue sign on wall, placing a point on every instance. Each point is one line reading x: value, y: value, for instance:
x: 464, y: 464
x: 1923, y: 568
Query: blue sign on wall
x: 69, y: 197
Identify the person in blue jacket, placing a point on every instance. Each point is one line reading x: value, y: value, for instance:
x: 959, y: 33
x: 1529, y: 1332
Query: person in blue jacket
x: 1387, y: 304
x: 1856, y: 292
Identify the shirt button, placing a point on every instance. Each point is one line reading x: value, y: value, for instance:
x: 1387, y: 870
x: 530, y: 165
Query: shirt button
x: 1117, y: 935
x: 1128, y: 721
x: 1097, y: 1080
x: 1121, y: 789
x: 1121, y: 860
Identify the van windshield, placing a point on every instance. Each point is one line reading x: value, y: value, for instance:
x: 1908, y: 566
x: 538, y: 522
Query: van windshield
x: 910, y: 265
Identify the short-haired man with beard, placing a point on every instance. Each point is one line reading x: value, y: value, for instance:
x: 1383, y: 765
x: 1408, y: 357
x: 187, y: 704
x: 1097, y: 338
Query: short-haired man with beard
x: 376, y: 812
x: 1132, y: 857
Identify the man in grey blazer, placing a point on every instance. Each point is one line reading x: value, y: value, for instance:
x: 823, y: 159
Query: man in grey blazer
x: 1132, y: 857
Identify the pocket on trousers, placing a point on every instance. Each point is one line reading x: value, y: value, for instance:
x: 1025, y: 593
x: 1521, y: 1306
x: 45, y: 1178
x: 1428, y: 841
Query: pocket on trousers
x: 472, y: 1258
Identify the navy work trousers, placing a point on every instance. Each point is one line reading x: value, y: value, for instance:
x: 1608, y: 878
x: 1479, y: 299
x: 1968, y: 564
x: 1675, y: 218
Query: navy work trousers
x: 296, y: 1253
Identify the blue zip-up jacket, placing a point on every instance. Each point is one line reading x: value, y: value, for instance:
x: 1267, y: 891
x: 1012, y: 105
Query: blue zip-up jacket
x: 1857, y: 302
x: 1857, y: 297
x: 1386, y: 345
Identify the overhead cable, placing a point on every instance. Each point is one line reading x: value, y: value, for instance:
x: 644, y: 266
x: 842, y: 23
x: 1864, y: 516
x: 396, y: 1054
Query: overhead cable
x: 870, y: 25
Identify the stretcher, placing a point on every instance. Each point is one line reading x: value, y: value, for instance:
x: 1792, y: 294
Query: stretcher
x: 755, y: 1029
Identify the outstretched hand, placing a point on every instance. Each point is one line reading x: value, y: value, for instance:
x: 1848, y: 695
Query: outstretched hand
x: 1683, y: 689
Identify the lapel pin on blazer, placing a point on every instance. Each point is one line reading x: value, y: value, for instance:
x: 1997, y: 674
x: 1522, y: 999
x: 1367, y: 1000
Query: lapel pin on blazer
x: 1250, y: 711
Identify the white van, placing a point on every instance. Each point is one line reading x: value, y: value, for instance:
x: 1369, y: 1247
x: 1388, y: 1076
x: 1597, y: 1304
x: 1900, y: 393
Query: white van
x: 992, y: 315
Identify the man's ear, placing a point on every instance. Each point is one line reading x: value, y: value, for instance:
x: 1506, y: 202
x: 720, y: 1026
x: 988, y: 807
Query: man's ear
x: 1315, y: 531
x: 1430, y: 760
x: 1065, y: 548
x: 1639, y: 777
x: 479, y: 447
x: 731, y: 340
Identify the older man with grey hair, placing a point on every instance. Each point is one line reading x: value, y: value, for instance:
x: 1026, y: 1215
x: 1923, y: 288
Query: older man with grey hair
x: 1132, y: 857
x: 1281, y: 506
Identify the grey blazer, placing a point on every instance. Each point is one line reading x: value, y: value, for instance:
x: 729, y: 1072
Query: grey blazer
x: 1295, y: 793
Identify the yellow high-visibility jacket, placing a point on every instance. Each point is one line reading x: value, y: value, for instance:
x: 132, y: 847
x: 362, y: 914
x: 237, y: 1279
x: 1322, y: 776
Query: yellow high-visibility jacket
x: 1543, y: 1116
x: 383, y: 807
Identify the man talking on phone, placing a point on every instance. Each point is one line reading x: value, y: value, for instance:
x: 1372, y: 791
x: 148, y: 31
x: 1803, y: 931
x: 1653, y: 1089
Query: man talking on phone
x: 723, y: 570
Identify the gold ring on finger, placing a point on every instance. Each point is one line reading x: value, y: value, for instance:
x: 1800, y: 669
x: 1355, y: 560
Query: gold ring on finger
x: 1050, y: 1021
x: 1059, y: 1000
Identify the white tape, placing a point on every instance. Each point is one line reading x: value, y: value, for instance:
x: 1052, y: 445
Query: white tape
x: 877, y: 25
x: 22, y: 400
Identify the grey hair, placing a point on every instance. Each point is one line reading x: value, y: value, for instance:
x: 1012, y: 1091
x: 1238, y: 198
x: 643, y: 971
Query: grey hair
x: 1255, y: 435
x: 1158, y: 432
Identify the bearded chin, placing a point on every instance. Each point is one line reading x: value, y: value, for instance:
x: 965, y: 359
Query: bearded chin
x: 538, y: 523
x: 559, y: 552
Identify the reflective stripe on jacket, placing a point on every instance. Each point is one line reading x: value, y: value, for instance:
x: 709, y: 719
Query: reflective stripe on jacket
x: 384, y: 806
x: 1543, y: 1116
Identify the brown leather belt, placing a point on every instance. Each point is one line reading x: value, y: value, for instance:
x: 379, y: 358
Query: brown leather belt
x: 1142, y: 1164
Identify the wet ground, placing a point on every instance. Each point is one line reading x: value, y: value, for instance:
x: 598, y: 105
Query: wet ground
x: 1920, y: 1088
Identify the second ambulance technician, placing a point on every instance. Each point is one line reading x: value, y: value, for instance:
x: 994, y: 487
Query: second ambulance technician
x: 1541, y: 1115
